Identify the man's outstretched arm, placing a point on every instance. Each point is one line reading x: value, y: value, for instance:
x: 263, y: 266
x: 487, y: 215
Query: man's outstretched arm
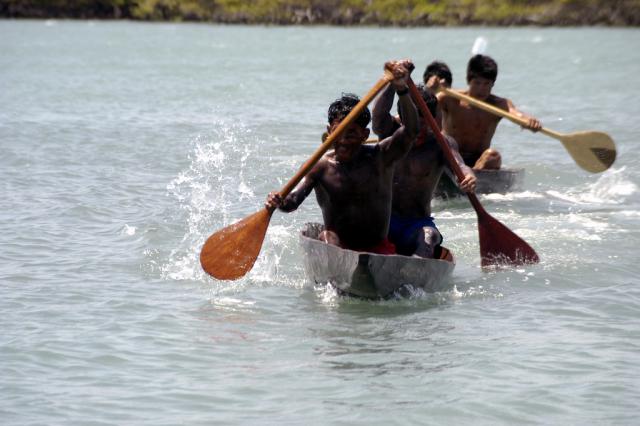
x: 292, y: 201
x: 468, y: 184
x: 403, y: 138
x: 383, y: 123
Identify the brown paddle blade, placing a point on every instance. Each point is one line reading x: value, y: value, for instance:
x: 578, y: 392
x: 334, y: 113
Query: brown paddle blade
x: 498, y: 244
x: 231, y: 252
x: 594, y: 151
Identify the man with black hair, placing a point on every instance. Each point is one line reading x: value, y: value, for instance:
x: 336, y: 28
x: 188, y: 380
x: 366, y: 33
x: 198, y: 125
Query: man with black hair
x: 474, y: 128
x: 437, y: 73
x: 353, y: 182
x: 437, y: 70
x: 412, y: 229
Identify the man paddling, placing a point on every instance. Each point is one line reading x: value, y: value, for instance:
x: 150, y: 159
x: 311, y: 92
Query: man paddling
x: 353, y: 183
x: 412, y: 228
x: 473, y: 128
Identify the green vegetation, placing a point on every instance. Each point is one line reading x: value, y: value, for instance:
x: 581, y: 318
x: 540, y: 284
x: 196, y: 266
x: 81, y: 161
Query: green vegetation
x: 340, y: 12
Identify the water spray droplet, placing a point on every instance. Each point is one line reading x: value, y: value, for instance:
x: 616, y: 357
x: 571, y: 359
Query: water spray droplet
x: 479, y: 46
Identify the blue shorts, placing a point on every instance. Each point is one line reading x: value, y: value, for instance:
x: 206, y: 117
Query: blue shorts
x: 402, y: 230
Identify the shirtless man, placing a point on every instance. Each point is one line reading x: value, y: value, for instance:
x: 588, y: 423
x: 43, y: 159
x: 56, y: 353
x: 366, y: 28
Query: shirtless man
x: 473, y: 128
x: 412, y: 229
x: 353, y: 182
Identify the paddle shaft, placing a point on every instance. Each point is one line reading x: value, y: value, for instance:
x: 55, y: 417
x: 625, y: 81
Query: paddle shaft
x: 593, y: 151
x: 328, y: 142
x: 426, y: 114
x: 496, y: 111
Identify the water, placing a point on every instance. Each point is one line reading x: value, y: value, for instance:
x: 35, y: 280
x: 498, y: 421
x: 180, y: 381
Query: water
x: 124, y: 145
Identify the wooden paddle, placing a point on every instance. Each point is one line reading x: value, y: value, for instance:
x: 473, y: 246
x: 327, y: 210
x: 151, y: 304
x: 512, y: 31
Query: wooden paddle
x: 498, y: 244
x: 231, y: 252
x: 593, y: 151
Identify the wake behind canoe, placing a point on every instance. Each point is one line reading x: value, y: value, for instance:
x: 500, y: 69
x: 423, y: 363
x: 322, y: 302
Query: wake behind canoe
x: 371, y: 275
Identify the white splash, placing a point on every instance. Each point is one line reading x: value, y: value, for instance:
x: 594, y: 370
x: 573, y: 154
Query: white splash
x: 129, y: 230
x: 610, y: 188
x: 586, y: 222
x: 479, y: 46
x: 327, y: 294
x: 455, y: 215
x: 510, y: 196
x: 279, y: 234
x: 207, y: 191
x: 629, y: 213
x: 245, y: 191
x: 232, y: 302
x: 266, y: 268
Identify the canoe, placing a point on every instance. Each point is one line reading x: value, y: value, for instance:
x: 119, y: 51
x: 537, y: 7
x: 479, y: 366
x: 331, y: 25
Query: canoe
x: 370, y: 275
x: 489, y: 182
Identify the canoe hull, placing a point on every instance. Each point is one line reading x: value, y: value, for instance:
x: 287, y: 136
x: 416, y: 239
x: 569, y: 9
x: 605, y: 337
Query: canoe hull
x: 370, y: 275
x: 489, y: 181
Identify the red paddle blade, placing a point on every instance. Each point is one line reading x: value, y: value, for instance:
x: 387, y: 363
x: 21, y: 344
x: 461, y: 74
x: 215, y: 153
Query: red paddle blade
x: 501, y: 246
x: 231, y: 252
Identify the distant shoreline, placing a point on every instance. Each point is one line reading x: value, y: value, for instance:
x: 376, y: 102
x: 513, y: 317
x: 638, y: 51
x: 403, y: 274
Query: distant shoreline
x: 407, y: 13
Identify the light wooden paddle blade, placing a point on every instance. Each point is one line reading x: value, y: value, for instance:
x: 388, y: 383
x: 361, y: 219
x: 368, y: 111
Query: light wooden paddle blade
x: 591, y: 150
x: 231, y: 252
x: 501, y: 246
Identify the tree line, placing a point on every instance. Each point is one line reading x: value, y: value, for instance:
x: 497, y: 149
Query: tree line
x: 339, y: 12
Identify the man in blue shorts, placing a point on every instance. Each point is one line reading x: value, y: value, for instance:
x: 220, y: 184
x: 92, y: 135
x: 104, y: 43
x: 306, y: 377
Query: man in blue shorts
x: 412, y: 229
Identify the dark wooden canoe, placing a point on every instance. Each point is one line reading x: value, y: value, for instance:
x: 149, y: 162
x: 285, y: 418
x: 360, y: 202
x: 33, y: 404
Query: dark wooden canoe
x: 489, y: 181
x: 371, y: 275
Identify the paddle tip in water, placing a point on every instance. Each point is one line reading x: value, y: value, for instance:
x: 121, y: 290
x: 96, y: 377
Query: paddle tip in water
x: 500, y: 246
x: 513, y: 259
x: 231, y: 252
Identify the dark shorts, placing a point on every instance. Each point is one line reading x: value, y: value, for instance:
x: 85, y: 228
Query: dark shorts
x: 402, y: 231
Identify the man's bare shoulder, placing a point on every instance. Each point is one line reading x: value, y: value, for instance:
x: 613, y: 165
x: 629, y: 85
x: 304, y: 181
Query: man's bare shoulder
x: 498, y: 101
x: 326, y: 161
x: 448, y: 101
x: 384, y: 146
